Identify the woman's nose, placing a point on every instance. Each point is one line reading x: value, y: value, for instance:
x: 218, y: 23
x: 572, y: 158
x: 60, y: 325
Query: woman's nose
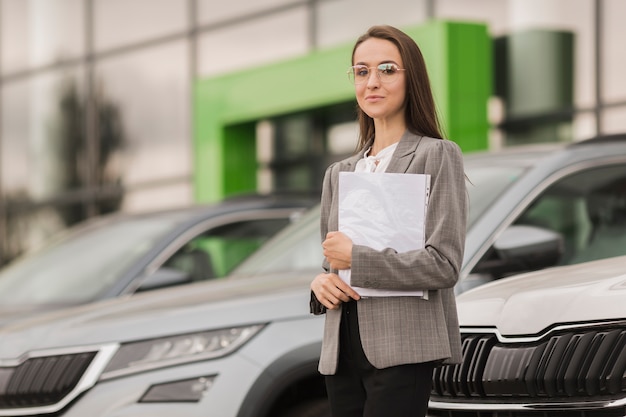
x: 373, y: 79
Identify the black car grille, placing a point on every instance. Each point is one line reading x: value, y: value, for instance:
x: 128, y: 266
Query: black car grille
x: 575, y: 365
x: 42, y: 381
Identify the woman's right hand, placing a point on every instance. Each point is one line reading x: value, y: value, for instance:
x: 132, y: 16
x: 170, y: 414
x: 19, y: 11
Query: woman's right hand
x: 331, y: 290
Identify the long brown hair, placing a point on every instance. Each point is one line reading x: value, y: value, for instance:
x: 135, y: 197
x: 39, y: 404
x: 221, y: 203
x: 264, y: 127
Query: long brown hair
x: 420, y: 112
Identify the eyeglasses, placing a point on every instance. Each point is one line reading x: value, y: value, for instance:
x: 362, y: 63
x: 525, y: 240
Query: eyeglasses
x: 387, y: 73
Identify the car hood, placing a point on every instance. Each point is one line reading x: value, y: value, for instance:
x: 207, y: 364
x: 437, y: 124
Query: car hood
x: 192, y: 308
x: 529, y: 303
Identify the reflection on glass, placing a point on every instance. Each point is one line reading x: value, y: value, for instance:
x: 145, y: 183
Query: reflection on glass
x: 613, y: 56
x: 614, y: 120
x: 494, y: 13
x: 295, y: 248
x: 42, y: 135
x: 170, y: 195
x: 337, y: 23
x: 120, y: 22
x: 150, y: 88
x: 486, y: 184
x: 211, y: 11
x: 233, y: 47
x: 26, y: 229
x: 570, y: 16
x: 80, y: 265
x: 39, y: 33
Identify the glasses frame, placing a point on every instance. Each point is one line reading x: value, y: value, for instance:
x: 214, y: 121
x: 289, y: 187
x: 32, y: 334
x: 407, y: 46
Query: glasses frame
x: 379, y: 68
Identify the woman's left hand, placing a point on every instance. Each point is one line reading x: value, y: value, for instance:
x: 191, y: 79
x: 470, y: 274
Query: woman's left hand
x: 338, y: 250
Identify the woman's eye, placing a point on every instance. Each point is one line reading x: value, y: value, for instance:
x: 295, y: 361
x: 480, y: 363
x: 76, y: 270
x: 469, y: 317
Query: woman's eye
x: 387, y: 69
x: 362, y: 72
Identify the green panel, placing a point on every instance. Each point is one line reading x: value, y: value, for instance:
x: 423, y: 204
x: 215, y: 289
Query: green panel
x: 458, y: 57
x: 469, y: 85
x: 239, y: 158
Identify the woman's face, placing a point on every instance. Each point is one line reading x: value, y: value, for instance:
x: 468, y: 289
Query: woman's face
x: 383, y: 101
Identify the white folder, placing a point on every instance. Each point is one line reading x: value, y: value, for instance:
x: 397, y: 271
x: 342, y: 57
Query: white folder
x: 383, y: 210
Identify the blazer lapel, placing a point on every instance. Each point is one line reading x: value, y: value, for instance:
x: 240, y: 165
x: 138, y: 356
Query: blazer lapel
x: 350, y: 163
x: 400, y: 160
x: 404, y: 153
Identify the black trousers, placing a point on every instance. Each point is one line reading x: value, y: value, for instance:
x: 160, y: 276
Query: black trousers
x: 358, y: 389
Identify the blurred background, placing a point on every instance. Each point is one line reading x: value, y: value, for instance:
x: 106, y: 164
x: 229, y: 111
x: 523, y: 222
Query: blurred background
x: 136, y: 105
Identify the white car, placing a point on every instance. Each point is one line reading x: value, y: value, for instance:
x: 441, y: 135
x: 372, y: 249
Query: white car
x: 548, y: 343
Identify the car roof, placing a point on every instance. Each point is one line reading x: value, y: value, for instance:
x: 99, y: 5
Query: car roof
x: 562, y: 153
x: 202, y: 211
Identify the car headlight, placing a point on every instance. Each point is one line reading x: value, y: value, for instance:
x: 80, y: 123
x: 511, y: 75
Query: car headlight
x: 167, y: 351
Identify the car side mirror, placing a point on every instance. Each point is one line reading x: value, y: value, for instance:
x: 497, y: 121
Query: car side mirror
x: 523, y: 248
x: 164, y: 277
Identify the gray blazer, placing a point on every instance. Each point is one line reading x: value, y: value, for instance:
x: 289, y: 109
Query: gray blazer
x: 401, y: 330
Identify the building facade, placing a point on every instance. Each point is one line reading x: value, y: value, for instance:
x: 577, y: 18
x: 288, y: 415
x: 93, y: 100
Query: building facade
x: 109, y: 105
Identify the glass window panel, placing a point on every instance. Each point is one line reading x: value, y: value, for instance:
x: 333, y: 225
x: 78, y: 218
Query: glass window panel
x: 584, y: 126
x: 342, y: 138
x: 236, y: 47
x: 212, y: 11
x: 34, y: 33
x: 42, y: 134
x: 614, y: 120
x: 344, y: 21
x: 614, y: 58
x: 28, y: 230
x: 164, y: 196
x: 149, y: 90
x: 494, y: 13
x: 120, y: 22
x: 570, y: 15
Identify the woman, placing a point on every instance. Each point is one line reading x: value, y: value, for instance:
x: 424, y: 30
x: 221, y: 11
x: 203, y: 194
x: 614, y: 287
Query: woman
x: 378, y: 353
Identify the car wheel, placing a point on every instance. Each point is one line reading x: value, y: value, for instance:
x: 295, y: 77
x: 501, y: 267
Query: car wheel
x: 312, y: 408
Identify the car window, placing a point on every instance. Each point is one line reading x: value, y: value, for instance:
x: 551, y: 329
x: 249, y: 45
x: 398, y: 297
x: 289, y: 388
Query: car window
x: 587, y: 210
x: 77, y: 268
x: 217, y: 251
x: 296, y: 248
x: 485, y: 184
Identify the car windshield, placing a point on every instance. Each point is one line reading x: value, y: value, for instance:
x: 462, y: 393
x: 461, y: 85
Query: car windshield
x: 485, y: 184
x: 56, y: 274
x: 298, y: 248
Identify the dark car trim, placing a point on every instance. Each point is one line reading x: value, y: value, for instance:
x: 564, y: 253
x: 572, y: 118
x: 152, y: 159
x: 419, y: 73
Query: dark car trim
x: 463, y: 388
x: 88, y: 378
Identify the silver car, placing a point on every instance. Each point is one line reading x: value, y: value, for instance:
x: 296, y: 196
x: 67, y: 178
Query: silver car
x: 548, y: 343
x: 121, y: 254
x: 247, y: 346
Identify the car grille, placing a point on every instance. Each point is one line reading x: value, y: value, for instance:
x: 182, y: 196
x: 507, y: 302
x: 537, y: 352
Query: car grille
x: 582, y: 364
x: 41, y: 381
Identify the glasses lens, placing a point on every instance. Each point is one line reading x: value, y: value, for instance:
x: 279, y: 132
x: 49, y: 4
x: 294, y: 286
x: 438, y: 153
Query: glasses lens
x: 358, y: 74
x: 387, y: 72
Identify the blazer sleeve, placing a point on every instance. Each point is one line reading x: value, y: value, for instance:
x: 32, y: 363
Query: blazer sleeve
x: 438, y: 264
x: 315, y: 306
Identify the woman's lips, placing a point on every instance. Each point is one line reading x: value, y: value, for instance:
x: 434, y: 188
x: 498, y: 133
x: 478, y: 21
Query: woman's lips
x: 373, y: 98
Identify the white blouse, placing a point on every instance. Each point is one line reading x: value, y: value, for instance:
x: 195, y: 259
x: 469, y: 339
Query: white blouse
x: 378, y: 163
